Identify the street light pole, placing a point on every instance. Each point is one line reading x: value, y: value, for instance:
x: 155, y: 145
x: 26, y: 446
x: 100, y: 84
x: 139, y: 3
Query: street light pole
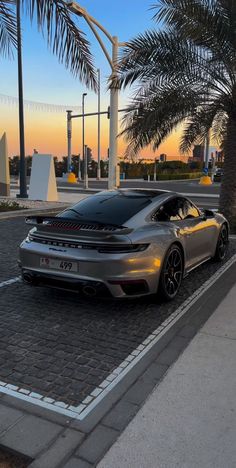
x: 207, y: 144
x: 114, y: 88
x: 99, y: 126
x: 69, y: 136
x: 23, y: 186
x: 79, y: 168
x: 85, y: 167
x: 114, y: 96
x: 83, y: 131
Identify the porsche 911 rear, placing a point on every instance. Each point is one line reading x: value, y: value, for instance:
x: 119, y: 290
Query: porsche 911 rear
x: 95, y: 261
x: 93, y: 257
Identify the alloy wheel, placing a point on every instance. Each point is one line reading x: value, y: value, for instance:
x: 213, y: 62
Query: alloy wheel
x: 173, y: 272
x: 222, y: 243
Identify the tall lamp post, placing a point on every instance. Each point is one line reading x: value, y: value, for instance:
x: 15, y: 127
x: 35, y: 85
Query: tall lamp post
x: 23, y: 186
x: 114, y: 88
x: 99, y: 125
x: 69, y: 136
x: 207, y: 145
x: 83, y: 132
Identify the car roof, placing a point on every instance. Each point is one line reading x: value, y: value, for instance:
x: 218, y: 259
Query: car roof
x: 150, y: 193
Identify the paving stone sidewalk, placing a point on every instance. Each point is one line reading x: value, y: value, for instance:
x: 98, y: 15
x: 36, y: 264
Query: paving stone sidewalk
x: 203, y: 381
x: 189, y: 420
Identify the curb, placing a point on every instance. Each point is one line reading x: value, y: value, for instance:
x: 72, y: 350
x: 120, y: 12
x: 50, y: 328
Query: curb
x: 35, y: 211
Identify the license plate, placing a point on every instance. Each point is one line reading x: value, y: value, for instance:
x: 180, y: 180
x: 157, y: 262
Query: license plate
x: 56, y: 264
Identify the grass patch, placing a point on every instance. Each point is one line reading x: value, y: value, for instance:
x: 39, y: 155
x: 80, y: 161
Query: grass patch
x: 9, y: 205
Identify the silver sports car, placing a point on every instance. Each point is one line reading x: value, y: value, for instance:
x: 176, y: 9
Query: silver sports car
x: 122, y: 243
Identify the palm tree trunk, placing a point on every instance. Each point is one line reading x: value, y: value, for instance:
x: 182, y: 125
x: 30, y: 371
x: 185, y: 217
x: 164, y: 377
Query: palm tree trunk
x: 228, y: 186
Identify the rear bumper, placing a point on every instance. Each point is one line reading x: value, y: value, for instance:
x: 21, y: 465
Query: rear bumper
x: 126, y: 275
x: 89, y: 288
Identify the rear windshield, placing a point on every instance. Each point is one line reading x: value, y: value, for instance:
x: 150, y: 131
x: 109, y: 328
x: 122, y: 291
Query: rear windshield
x: 109, y: 207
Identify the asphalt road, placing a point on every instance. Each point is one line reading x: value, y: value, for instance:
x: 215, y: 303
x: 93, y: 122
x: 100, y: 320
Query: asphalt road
x: 183, y: 186
x: 203, y: 196
x: 191, y: 188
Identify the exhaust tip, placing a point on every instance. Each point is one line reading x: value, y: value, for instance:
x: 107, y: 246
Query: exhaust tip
x: 89, y: 291
x: 28, y: 278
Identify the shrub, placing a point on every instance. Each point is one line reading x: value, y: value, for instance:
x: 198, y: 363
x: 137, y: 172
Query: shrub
x: 10, y: 206
x: 182, y: 176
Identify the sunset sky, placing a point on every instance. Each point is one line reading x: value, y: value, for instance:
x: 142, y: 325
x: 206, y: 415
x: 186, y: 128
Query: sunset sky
x: 45, y: 80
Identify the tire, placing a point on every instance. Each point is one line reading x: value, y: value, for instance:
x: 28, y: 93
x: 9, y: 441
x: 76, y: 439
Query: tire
x: 222, y: 244
x: 171, y: 274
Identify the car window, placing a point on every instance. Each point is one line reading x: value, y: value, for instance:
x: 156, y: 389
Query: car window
x: 169, y: 211
x: 112, y: 207
x: 189, y: 210
x: 176, y: 209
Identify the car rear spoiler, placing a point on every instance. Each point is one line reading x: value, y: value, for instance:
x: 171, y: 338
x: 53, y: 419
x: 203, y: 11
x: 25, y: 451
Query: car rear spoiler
x: 74, y: 224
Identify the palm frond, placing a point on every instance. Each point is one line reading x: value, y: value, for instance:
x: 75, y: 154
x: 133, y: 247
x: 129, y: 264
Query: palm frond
x: 150, y: 119
x: 219, y: 127
x: 8, y: 29
x: 65, y: 39
x: 163, y: 57
x: 203, y: 21
x: 212, y: 115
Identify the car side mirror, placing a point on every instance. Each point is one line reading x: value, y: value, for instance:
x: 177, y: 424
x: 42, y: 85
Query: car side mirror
x: 208, y: 214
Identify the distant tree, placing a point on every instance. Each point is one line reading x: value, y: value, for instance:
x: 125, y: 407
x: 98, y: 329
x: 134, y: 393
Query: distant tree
x: 89, y: 155
x: 28, y: 161
x: 196, y: 165
x: 14, y: 164
x: 104, y: 168
x: 92, y: 168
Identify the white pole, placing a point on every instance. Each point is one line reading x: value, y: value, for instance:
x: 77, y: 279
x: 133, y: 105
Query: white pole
x: 69, y: 135
x: 207, y: 144
x: 99, y: 126
x: 85, y: 167
x: 114, y: 96
x: 83, y: 131
x: 79, y: 168
x: 155, y: 171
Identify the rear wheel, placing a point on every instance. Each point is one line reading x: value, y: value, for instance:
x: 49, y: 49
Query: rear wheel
x: 222, y: 244
x: 172, y: 273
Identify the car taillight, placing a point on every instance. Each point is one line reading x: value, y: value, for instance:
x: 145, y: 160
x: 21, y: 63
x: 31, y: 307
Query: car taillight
x: 113, y: 249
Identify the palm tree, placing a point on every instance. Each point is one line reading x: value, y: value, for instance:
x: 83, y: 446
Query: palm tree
x: 185, y: 73
x: 63, y: 36
x: 65, y: 39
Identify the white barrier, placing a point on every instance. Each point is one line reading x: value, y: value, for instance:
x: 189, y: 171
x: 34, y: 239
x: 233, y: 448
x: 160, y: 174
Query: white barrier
x: 43, y: 181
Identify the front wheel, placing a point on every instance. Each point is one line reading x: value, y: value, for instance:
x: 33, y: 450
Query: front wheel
x: 171, y: 274
x: 222, y: 244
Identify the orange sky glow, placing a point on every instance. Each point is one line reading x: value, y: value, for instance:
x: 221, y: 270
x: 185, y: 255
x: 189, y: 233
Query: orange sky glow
x: 46, y: 132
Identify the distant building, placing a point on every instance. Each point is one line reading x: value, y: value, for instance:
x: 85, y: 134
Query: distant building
x: 198, y: 153
x: 219, y: 156
x: 163, y: 157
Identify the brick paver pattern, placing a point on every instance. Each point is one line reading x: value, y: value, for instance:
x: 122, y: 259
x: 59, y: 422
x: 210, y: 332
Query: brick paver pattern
x: 61, y: 345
